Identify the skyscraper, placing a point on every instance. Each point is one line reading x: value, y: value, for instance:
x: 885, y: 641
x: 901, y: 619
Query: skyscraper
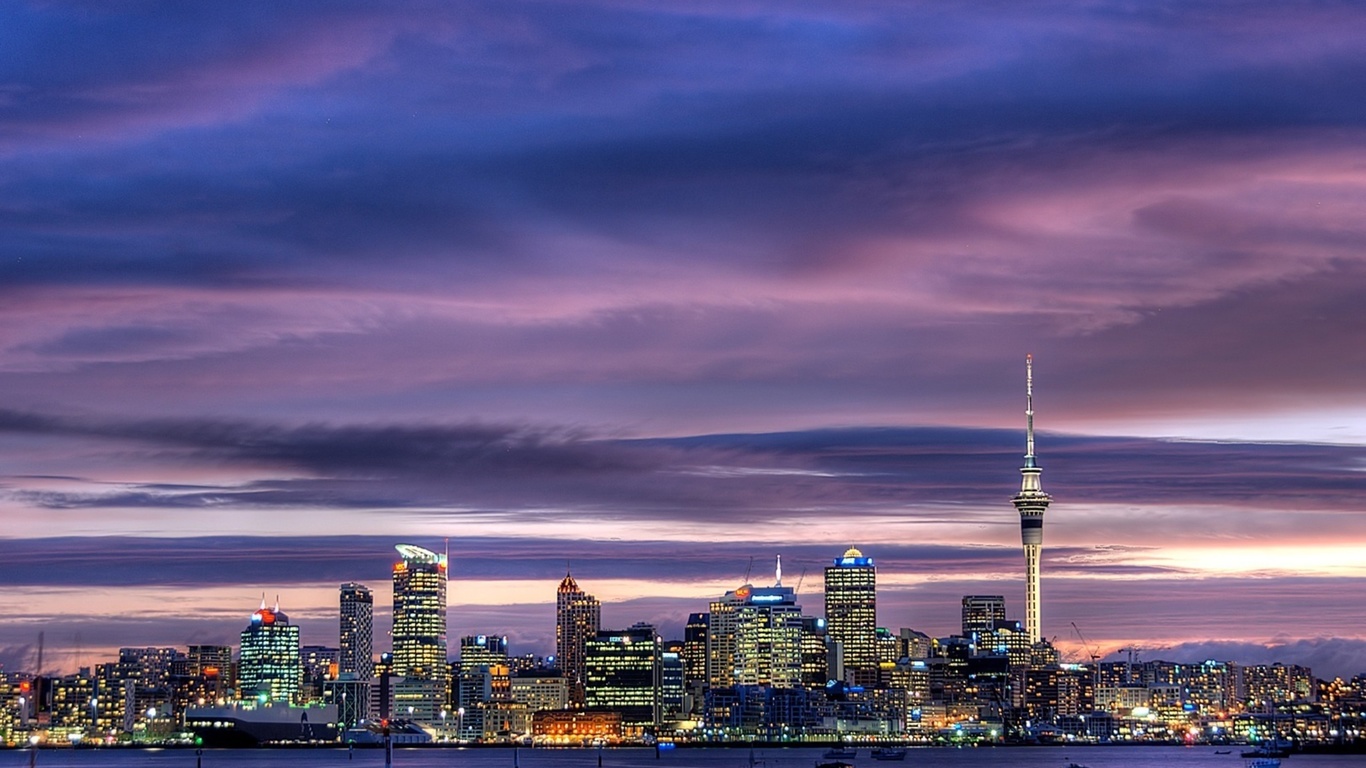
x: 577, y: 618
x: 420, y: 614
x: 851, y: 614
x: 1031, y: 502
x: 981, y: 612
x: 755, y: 638
x: 622, y: 673
x: 695, y: 647
x: 269, y: 667
x: 357, y: 632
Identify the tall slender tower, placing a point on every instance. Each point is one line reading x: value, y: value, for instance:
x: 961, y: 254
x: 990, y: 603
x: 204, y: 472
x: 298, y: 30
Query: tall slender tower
x: 578, y: 616
x: 356, y: 637
x: 1031, y: 502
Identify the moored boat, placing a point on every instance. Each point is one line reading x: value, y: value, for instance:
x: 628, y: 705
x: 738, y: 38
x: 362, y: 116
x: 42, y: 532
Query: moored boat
x: 889, y: 753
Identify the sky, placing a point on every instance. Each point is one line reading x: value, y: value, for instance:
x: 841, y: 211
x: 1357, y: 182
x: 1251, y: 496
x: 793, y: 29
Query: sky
x: 658, y: 291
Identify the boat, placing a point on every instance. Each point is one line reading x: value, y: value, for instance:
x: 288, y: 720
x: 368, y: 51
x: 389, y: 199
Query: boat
x: 1269, y: 749
x: 1223, y: 751
x: 839, y: 753
x: 1075, y: 765
x: 889, y: 753
x: 243, y: 725
x: 833, y: 764
x: 1264, y: 762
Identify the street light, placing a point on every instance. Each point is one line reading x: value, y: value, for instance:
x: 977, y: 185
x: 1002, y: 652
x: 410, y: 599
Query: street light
x: 445, y: 735
x: 460, y: 724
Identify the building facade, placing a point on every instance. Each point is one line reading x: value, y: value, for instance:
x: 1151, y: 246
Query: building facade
x: 851, y: 615
x: 577, y: 618
x: 622, y: 673
x: 269, y: 667
x: 420, y: 614
x: 356, y: 655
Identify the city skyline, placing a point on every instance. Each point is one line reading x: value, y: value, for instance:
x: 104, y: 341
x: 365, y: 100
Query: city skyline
x: 663, y: 289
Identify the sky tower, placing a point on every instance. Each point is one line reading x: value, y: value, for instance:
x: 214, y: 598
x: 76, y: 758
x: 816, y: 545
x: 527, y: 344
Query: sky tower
x: 1031, y: 502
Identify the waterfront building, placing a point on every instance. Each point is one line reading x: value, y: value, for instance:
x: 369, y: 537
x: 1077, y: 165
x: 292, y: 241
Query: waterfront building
x: 270, y: 668
x: 622, y: 673
x: 72, y: 714
x: 851, y: 615
x: 420, y: 614
x: 577, y: 618
x: 357, y: 635
x: 539, y: 690
x: 673, y: 688
x: 149, y: 667
x: 1267, y: 685
x: 755, y: 638
x: 576, y: 727
x: 213, y: 663
x: 351, y: 696
x: 1031, y: 502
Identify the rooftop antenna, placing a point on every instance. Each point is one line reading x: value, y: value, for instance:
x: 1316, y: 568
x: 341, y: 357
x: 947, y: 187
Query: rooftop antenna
x: 1029, y: 409
x: 778, y: 573
x: 277, y: 603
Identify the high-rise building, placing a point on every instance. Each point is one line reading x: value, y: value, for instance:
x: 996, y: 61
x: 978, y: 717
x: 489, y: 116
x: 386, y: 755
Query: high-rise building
x: 1267, y: 685
x: 483, y: 649
x: 1031, y: 502
x: 695, y: 647
x: 851, y: 614
x: 213, y: 665
x: 269, y: 668
x: 755, y: 638
x: 815, y: 654
x: 357, y: 635
x: 622, y: 671
x: 980, y: 614
x: 577, y: 618
x: 420, y: 614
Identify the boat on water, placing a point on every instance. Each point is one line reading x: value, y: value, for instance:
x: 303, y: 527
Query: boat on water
x: 1264, y: 762
x: 248, y: 725
x: 1269, y: 749
x: 833, y: 764
x: 839, y: 753
x: 889, y: 753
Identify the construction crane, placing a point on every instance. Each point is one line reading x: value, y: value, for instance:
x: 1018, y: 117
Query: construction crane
x: 797, y: 589
x: 1094, y: 653
x: 1091, y: 650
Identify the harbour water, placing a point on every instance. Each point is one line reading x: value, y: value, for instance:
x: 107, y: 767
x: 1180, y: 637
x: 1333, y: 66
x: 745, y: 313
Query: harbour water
x: 936, y: 757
